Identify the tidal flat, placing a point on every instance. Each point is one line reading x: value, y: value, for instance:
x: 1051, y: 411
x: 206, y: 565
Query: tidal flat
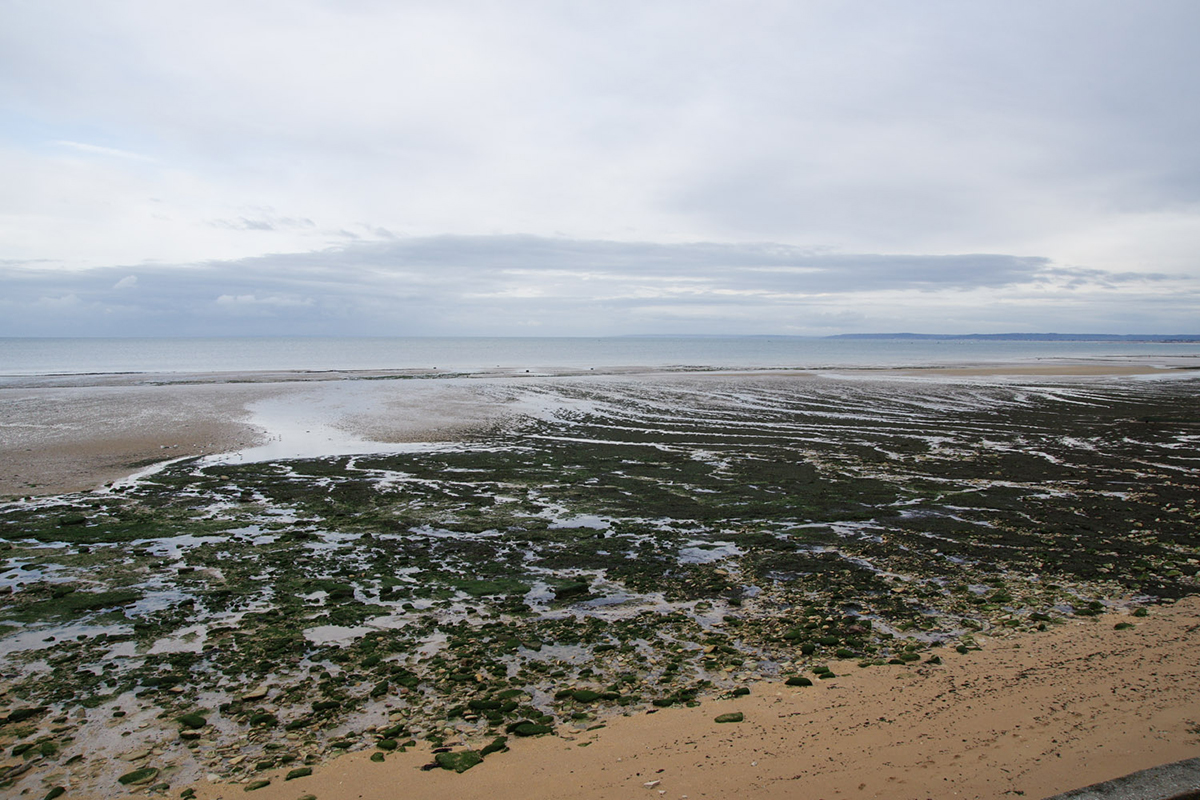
x: 610, y: 546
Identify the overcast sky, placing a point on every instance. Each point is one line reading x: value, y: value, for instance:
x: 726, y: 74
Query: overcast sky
x: 518, y: 167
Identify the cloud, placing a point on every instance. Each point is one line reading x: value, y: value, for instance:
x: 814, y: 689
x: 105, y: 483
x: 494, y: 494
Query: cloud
x: 264, y: 221
x: 128, y: 282
x: 506, y: 285
x: 991, y: 126
x: 428, y: 167
x: 243, y: 302
x: 95, y: 149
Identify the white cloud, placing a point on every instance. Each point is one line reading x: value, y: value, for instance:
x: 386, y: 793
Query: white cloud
x: 244, y: 301
x: 128, y: 282
x: 103, y: 151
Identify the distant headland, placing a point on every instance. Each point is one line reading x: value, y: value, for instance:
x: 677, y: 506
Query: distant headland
x: 1032, y: 337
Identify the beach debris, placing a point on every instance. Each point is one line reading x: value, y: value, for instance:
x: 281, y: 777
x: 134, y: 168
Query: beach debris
x: 733, y: 716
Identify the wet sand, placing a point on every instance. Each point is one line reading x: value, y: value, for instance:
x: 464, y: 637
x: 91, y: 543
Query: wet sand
x: 1029, y: 715
x: 76, y: 438
x: 77, y: 432
x: 87, y: 431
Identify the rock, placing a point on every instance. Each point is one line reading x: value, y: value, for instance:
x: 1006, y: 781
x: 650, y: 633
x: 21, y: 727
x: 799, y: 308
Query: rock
x: 798, y: 681
x: 22, y: 714
x: 377, y: 757
x: 585, y: 696
x: 460, y: 762
x: 299, y: 772
x: 255, y: 695
x: 497, y: 745
x: 530, y: 729
x: 253, y: 785
x: 735, y: 716
x: 193, y: 721
x: 138, y: 776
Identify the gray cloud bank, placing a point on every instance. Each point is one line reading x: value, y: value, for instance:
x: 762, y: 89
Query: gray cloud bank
x: 528, y: 285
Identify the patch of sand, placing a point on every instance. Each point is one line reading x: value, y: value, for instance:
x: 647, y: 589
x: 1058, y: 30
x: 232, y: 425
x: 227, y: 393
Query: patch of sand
x: 55, y: 440
x: 1030, y: 715
x: 92, y: 430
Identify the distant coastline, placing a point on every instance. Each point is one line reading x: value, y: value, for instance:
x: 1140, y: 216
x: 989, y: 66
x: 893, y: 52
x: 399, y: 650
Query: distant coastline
x: 1030, y: 337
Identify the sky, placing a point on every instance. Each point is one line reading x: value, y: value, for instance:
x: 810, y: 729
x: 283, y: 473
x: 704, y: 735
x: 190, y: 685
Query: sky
x: 364, y: 167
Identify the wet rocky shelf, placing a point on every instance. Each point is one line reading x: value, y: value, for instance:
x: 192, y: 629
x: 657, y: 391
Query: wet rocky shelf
x: 652, y: 546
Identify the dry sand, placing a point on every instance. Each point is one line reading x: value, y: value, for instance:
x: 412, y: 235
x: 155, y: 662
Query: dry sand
x: 1031, y: 715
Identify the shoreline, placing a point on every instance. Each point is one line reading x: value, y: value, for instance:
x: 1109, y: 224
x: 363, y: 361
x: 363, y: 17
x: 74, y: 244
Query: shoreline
x: 1029, y: 715
x: 74, y: 433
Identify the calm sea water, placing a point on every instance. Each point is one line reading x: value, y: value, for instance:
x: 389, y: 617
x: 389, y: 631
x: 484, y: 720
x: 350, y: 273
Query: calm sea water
x: 85, y: 356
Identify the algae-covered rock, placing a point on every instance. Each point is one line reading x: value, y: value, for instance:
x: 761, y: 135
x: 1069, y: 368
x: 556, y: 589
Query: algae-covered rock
x: 570, y: 589
x: 460, y: 762
x: 529, y: 729
x: 484, y: 705
x: 798, y: 681
x: 497, y: 745
x: 377, y: 757
x: 193, y: 721
x: 22, y: 714
x: 298, y: 772
x: 735, y: 716
x: 263, y: 720
x: 387, y: 744
x: 253, y: 785
x: 57, y: 791
x: 585, y: 696
x: 138, y: 776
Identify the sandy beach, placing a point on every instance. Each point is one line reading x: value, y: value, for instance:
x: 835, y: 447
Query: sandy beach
x: 1022, y: 712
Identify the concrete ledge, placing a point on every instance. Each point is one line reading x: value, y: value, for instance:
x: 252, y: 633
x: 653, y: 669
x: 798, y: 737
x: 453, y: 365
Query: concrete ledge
x: 1178, y: 781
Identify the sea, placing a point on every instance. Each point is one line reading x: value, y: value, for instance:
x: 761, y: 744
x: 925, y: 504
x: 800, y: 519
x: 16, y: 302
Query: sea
x: 84, y: 356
